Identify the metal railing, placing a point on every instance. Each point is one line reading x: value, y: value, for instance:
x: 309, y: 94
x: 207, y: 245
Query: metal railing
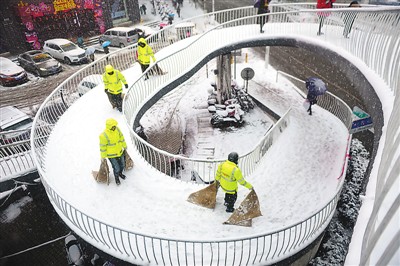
x: 266, y: 248
x: 15, y: 154
x: 328, y: 101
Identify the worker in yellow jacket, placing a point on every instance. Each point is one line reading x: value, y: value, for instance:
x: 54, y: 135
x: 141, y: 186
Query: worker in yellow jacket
x: 113, y: 146
x: 144, y: 55
x: 227, y: 176
x: 113, y: 81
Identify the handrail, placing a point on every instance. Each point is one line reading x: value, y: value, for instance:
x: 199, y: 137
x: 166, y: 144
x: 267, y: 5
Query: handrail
x: 262, y: 249
x: 15, y: 154
x: 328, y: 101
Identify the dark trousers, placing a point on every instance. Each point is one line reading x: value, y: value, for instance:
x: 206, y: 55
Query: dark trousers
x: 230, y: 200
x: 115, y: 100
x: 321, y: 24
x: 144, y: 67
x: 262, y: 21
x: 118, y: 165
x: 348, y: 24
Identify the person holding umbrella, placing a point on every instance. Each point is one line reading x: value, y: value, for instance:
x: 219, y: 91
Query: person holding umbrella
x: 105, y: 46
x: 90, y: 53
x: 315, y: 87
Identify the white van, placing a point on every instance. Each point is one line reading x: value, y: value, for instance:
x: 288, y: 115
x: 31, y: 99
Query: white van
x: 125, y: 36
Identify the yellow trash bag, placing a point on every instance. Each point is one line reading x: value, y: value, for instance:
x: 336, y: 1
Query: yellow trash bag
x: 102, y: 176
x: 128, y: 161
x: 248, y: 209
x: 205, y: 197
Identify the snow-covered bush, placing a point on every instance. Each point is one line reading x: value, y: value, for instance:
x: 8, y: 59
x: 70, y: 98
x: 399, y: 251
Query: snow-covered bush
x: 335, y: 243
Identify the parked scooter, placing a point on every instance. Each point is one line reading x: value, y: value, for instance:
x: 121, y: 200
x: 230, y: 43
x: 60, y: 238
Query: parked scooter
x: 243, y: 98
x: 75, y: 254
x: 231, y: 116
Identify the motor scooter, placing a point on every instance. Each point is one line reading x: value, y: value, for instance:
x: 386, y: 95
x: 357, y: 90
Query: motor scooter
x: 231, y: 116
x: 243, y: 98
x: 75, y: 254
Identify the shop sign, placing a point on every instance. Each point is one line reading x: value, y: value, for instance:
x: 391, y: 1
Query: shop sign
x: 61, y: 5
x: 45, y: 8
x: 84, y: 4
x: 29, y: 25
x: 89, y: 4
x: 25, y: 9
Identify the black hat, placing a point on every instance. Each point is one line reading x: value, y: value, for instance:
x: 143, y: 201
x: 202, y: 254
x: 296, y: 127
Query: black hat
x: 233, y: 157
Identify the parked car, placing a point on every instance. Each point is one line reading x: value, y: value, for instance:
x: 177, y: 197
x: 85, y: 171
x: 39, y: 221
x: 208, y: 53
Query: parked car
x: 65, y: 50
x: 10, y: 73
x: 40, y: 63
x: 124, y: 36
x: 88, y: 83
x: 16, y: 122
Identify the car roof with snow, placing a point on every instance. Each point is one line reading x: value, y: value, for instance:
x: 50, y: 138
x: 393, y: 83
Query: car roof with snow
x: 10, y: 115
x: 58, y: 41
x: 8, y: 67
x: 121, y: 29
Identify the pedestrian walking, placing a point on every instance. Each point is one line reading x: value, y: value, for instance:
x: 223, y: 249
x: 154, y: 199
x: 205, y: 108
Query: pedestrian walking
x: 113, y: 81
x: 349, y: 19
x: 321, y: 4
x: 262, y: 8
x: 227, y: 177
x: 315, y: 87
x: 143, y: 9
x: 112, y: 147
x: 145, y: 55
x: 178, y: 11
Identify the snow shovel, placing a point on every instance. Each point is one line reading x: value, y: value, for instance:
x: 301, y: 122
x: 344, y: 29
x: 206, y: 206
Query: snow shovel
x: 248, y: 209
x: 205, y: 197
x: 101, y: 176
x: 128, y: 161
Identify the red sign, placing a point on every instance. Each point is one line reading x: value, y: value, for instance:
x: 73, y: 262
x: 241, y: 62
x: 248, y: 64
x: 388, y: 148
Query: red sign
x: 29, y: 25
x: 89, y: 4
x: 34, y: 10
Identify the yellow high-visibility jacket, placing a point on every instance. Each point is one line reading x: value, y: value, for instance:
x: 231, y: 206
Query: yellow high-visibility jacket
x: 145, y: 53
x: 113, y: 83
x: 228, y: 175
x: 112, y: 143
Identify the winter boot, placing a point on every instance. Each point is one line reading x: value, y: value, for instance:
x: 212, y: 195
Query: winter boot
x: 117, y: 180
x: 230, y: 209
x: 122, y: 176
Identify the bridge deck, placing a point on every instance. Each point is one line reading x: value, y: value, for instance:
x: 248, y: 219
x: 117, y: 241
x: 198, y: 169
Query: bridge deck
x: 297, y: 174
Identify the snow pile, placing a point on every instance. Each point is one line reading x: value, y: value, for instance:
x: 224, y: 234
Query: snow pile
x: 335, y: 244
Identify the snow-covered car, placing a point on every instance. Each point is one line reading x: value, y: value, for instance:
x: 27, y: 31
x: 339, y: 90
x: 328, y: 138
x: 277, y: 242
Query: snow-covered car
x: 15, y: 125
x: 88, y: 83
x: 40, y: 63
x: 10, y: 73
x: 65, y: 50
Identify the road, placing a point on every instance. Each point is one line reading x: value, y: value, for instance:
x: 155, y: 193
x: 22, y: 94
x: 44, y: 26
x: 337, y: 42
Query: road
x: 34, y: 92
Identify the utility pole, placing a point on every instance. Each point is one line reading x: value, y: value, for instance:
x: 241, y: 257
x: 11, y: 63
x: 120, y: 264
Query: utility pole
x: 224, y: 77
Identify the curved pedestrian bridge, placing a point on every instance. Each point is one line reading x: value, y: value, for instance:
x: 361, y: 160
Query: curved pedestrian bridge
x: 147, y: 220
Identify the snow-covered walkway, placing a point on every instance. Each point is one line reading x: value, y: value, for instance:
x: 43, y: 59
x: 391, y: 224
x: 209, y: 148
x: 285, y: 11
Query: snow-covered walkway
x: 297, y: 177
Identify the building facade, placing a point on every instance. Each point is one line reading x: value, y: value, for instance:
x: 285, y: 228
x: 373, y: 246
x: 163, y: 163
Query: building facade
x: 26, y: 24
